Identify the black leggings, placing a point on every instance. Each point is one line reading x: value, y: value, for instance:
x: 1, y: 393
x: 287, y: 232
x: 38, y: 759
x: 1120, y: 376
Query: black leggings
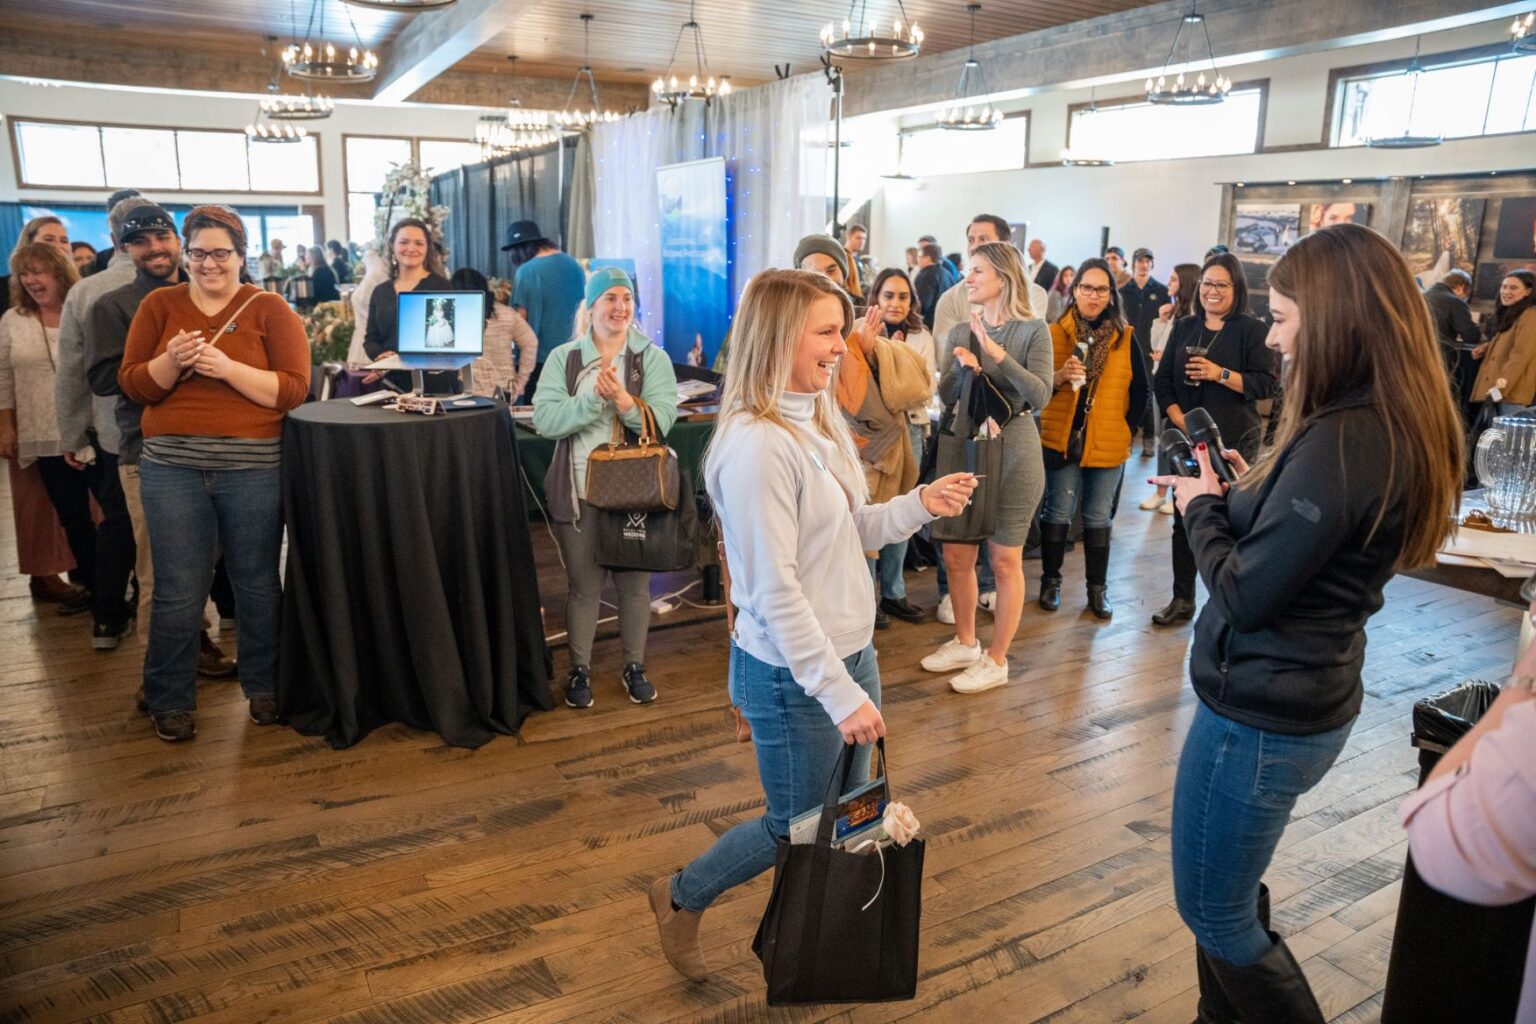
x: 104, y: 553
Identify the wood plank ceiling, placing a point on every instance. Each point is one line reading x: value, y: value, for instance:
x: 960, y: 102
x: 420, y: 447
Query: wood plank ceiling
x: 632, y: 40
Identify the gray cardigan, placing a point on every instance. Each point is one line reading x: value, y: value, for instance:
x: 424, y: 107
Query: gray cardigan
x: 1026, y: 372
x: 79, y: 410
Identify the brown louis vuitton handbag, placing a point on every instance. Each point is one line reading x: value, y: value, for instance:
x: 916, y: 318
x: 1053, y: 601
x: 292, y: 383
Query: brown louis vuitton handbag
x: 633, y: 476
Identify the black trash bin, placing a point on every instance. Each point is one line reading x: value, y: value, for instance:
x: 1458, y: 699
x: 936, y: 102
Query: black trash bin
x: 1453, y: 961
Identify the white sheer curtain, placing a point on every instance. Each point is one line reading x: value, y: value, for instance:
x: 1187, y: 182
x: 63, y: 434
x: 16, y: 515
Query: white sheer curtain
x: 773, y: 139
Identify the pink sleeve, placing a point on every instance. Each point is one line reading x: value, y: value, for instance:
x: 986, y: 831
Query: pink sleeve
x: 1473, y: 834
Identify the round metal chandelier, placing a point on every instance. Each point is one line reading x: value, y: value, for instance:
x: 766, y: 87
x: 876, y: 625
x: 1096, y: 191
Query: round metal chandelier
x: 408, y: 6
x: 971, y: 111
x: 322, y: 61
x: 862, y: 37
x: 701, y: 85
x: 260, y: 130
x: 1524, y: 32
x: 297, y: 108
x: 580, y: 120
x: 1408, y: 140
x: 1207, y: 86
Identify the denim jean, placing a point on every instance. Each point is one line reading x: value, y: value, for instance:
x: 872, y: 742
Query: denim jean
x: 1072, y: 486
x: 1232, y: 798
x: 797, y: 747
x: 192, y: 514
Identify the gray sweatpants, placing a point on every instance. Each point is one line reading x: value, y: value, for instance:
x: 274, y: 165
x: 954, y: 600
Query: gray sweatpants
x: 578, y: 547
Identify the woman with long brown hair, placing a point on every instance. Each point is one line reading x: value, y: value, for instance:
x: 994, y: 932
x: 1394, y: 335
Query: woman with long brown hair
x: 1362, y: 480
x: 411, y: 253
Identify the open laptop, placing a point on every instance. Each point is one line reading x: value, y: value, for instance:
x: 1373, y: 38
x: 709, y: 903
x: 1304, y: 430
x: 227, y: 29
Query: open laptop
x: 437, y: 331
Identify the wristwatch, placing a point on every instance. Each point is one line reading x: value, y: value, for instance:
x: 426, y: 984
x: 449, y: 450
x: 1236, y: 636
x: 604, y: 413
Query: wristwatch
x: 1225, y: 373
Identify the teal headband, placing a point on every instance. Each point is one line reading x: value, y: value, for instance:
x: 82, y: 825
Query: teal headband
x: 602, y: 280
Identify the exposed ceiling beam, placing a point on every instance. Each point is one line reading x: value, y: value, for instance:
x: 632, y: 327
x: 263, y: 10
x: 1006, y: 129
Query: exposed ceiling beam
x: 1133, y: 43
x: 437, y: 40
x: 119, y: 60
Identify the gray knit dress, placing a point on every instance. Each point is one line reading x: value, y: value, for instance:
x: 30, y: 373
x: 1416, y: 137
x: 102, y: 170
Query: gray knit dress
x: 1024, y: 377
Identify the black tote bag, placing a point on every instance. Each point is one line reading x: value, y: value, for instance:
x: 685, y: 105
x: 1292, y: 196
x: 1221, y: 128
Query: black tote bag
x: 957, y: 451
x: 655, y: 540
x: 841, y: 927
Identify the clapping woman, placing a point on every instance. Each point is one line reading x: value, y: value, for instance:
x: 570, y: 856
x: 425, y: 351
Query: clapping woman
x: 1003, y: 342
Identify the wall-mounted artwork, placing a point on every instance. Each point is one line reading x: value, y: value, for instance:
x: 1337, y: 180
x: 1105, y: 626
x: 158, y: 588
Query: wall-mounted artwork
x: 1265, y: 229
x: 1442, y: 235
x: 1258, y: 305
x: 1485, y: 284
x: 1516, y: 235
x: 1322, y: 215
x: 1256, y: 273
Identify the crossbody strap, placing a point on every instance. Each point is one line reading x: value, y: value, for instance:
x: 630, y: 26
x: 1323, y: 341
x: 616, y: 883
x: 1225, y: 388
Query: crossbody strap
x: 224, y: 327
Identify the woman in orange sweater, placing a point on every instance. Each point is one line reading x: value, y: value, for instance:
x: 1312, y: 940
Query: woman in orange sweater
x: 215, y: 364
x: 1101, y: 386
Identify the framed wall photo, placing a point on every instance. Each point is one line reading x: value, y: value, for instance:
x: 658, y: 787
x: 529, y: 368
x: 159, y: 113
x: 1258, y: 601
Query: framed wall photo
x: 1515, y: 237
x: 1485, y: 283
x: 1442, y: 234
x: 1265, y: 229
x: 1256, y: 273
x: 1258, y: 304
x: 1322, y: 215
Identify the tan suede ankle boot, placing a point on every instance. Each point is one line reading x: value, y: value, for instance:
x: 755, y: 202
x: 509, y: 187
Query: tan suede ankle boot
x: 679, y: 932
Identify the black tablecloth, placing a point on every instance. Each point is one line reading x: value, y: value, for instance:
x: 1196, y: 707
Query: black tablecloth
x: 410, y: 593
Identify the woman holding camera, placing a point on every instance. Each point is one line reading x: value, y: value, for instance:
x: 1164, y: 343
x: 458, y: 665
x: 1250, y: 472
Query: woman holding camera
x: 1362, y: 480
x: 1101, y: 384
x: 1215, y: 360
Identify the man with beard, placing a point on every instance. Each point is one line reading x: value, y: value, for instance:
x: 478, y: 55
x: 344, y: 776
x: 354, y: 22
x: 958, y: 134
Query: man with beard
x: 91, y: 440
x: 149, y: 237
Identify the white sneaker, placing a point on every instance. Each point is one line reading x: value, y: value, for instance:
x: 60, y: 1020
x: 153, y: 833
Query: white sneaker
x: 1167, y: 508
x: 984, y: 674
x: 953, y: 655
x: 1153, y: 501
x: 946, y: 611
x: 988, y: 601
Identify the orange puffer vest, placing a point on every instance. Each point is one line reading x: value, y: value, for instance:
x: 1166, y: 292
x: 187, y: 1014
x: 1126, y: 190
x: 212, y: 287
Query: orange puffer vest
x: 1107, y: 440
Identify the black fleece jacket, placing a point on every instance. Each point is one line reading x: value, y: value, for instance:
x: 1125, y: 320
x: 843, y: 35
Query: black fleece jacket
x: 1295, y: 566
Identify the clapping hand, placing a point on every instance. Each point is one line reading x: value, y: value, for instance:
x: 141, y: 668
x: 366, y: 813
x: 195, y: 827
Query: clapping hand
x: 212, y: 362
x: 949, y: 495
x: 966, y: 358
x: 611, y: 389
x: 184, y: 348
x: 869, y: 329
x: 995, y: 351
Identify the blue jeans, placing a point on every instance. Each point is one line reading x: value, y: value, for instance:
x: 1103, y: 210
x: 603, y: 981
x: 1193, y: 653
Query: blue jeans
x: 1232, y: 797
x: 797, y: 748
x: 1072, y: 485
x: 193, y: 514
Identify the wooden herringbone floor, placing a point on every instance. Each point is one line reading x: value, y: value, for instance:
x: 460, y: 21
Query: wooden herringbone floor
x: 258, y: 875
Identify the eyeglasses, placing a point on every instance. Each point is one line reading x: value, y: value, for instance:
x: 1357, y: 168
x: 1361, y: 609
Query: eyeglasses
x: 217, y: 255
x: 1216, y: 286
x: 1096, y: 290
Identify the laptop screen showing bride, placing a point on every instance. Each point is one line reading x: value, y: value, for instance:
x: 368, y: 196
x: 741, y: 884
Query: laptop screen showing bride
x: 438, y: 331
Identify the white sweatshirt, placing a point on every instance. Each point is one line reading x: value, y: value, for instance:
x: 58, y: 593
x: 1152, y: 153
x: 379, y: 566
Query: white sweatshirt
x: 799, y: 581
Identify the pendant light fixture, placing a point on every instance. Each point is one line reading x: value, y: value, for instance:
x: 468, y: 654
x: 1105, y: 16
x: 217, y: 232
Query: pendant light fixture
x: 513, y: 130
x: 1408, y: 140
x: 317, y: 59
x: 971, y: 111
x: 404, y: 6
x: 1208, y: 86
x: 863, y: 37
x: 304, y: 107
x: 1524, y: 32
x: 701, y: 85
x: 574, y: 120
x: 1078, y: 158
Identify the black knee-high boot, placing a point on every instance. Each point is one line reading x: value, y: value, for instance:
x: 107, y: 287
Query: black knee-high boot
x: 1053, y: 550
x: 1096, y: 569
x: 1215, y: 1007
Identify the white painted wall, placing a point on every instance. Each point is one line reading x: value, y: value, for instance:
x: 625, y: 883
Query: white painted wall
x: 164, y: 109
x: 1171, y: 206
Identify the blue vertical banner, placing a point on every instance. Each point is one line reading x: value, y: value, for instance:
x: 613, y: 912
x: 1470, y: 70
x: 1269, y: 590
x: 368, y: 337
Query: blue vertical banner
x: 695, y: 268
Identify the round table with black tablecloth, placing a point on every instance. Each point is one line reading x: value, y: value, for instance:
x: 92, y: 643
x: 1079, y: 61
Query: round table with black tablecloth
x: 410, y: 594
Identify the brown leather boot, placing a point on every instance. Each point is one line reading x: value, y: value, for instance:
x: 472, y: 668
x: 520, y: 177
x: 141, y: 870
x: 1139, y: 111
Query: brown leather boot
x: 54, y: 590
x: 679, y: 932
x: 212, y: 662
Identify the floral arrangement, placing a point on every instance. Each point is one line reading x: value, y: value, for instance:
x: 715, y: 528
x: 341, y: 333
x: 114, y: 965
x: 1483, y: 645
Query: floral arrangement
x: 330, y: 327
x: 406, y: 194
